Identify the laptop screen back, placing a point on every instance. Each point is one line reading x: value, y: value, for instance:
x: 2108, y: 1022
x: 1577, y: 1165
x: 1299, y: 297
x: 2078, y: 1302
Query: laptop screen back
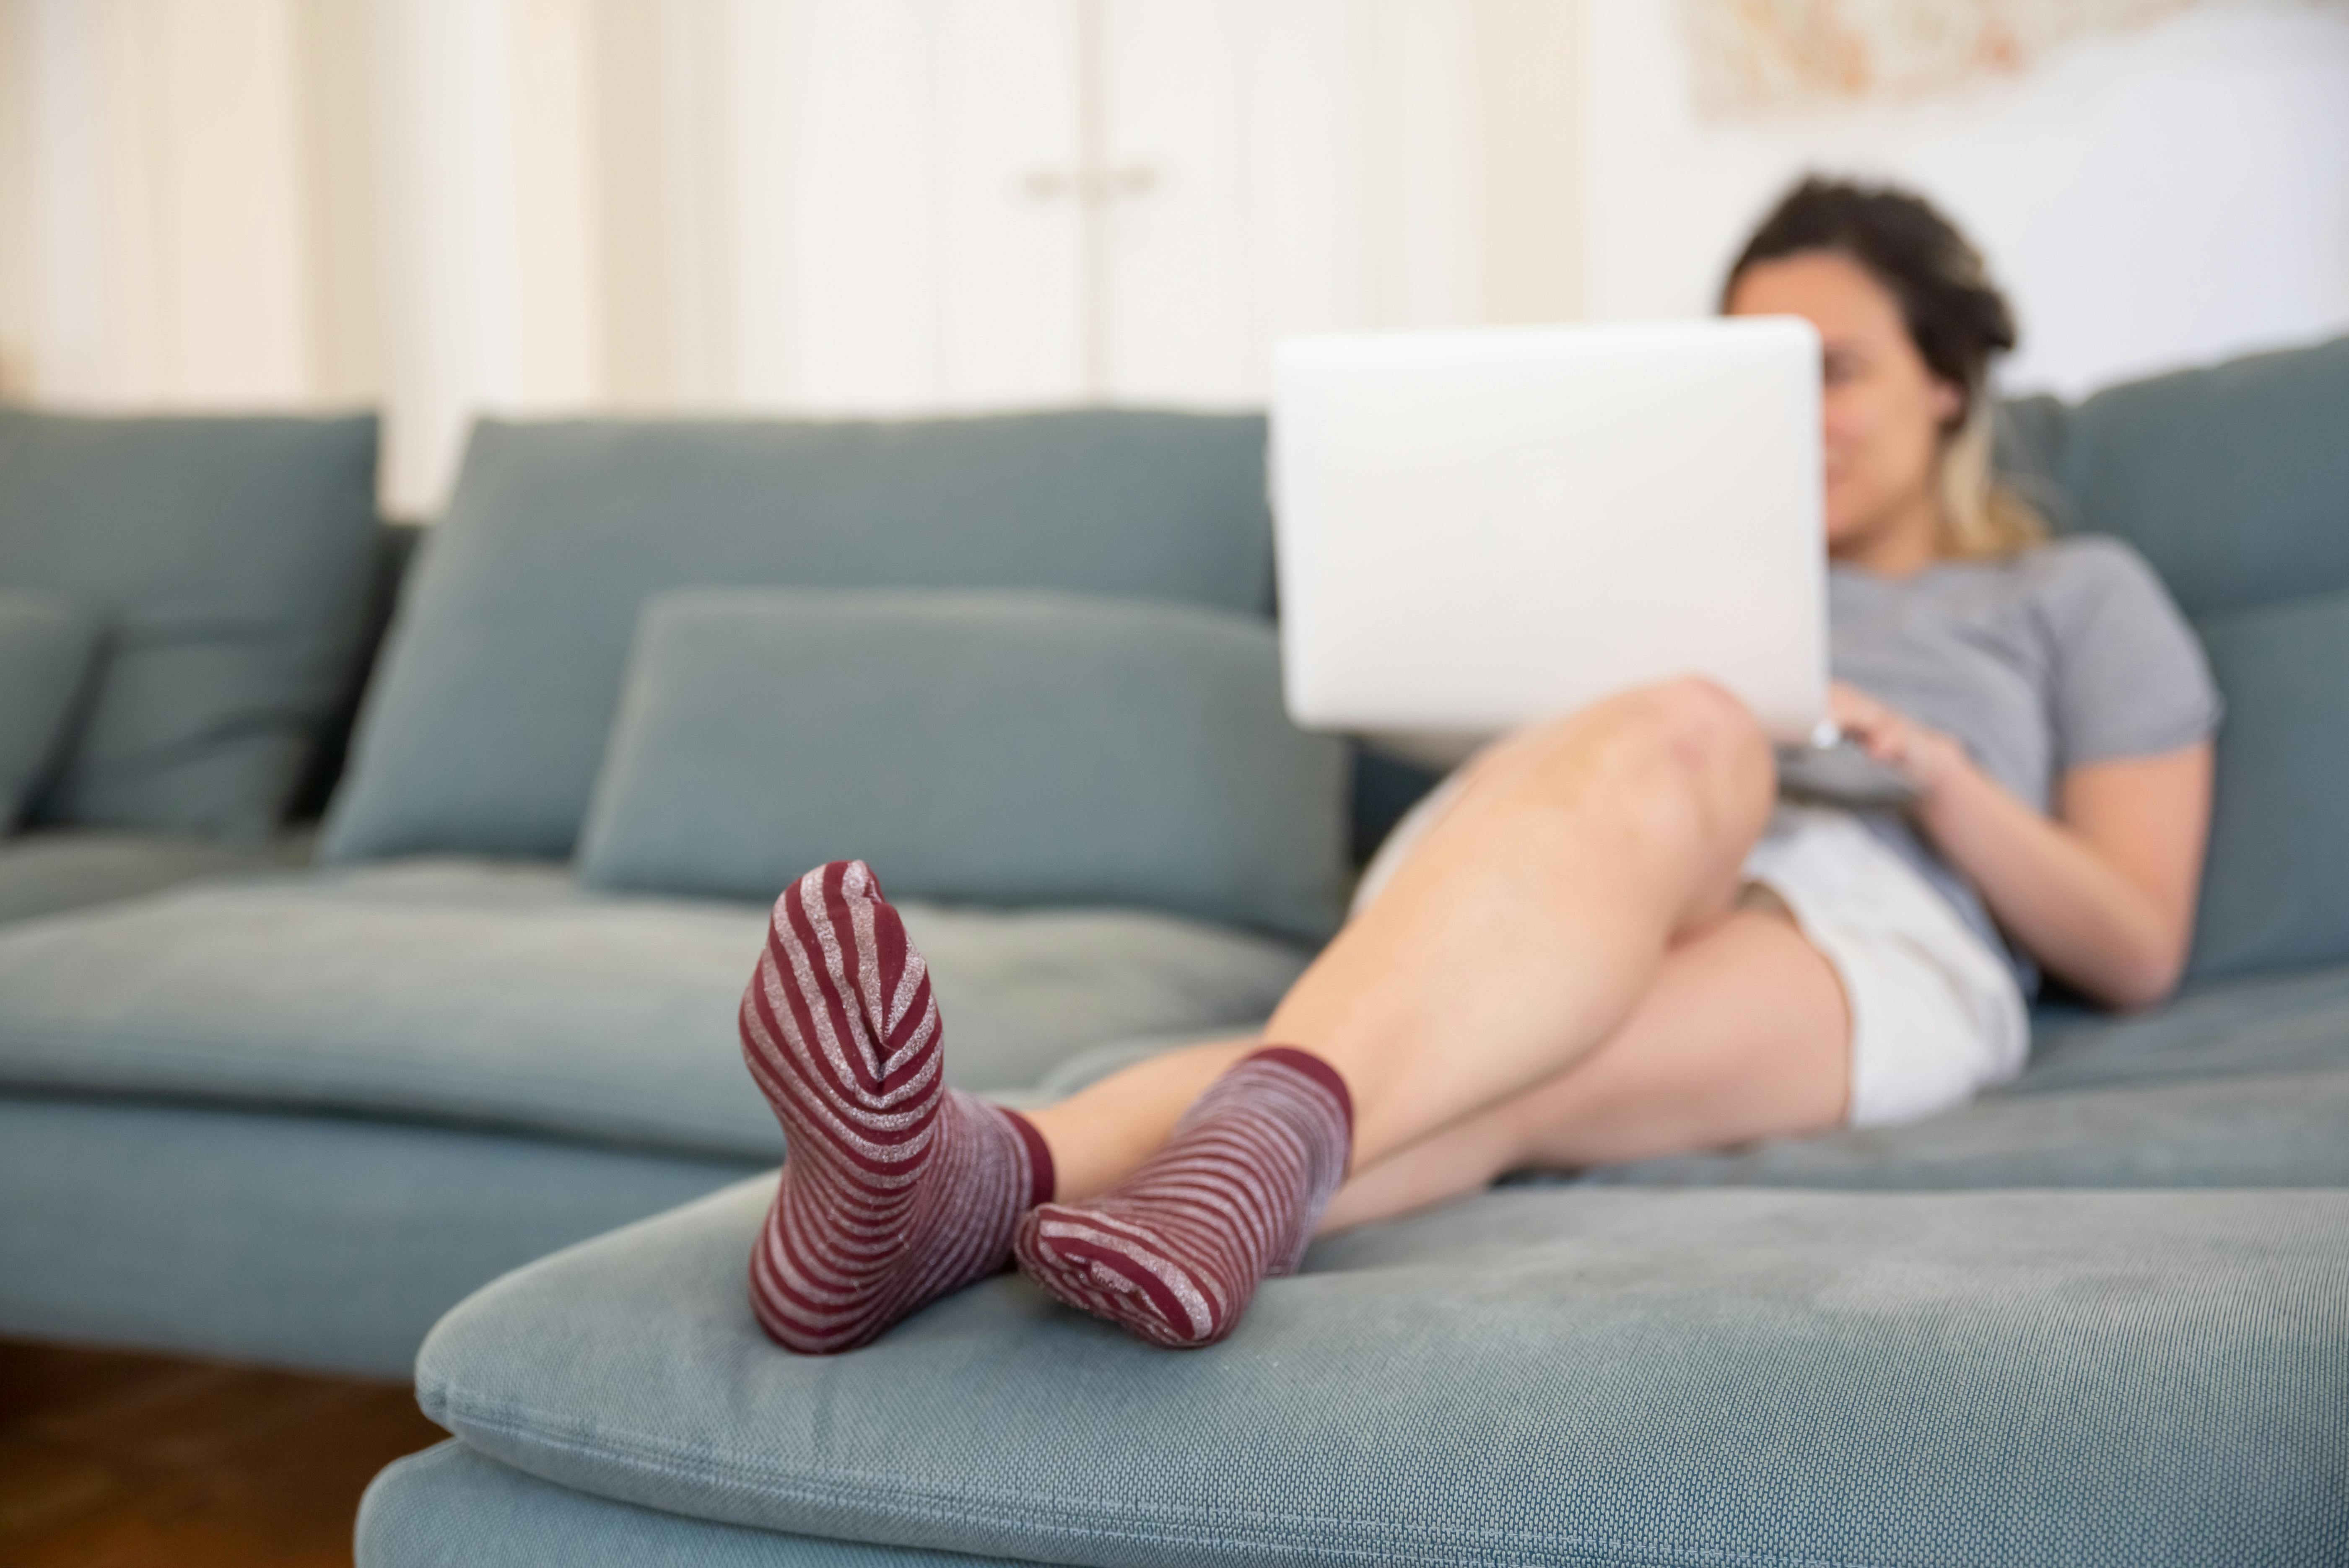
x: 1479, y: 528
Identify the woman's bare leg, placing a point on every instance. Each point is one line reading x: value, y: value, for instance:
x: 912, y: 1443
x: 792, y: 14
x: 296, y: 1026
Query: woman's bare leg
x: 1744, y: 1034
x: 1100, y: 1135
x: 1536, y: 912
x: 1517, y: 936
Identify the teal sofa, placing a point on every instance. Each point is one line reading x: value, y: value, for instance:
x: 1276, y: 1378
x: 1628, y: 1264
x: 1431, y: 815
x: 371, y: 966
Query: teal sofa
x: 2098, y: 1316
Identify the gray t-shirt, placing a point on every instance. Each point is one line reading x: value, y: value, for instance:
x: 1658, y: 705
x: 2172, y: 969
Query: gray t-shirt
x: 2070, y: 653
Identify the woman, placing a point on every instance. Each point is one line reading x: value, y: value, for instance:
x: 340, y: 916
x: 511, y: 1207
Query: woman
x: 1604, y: 939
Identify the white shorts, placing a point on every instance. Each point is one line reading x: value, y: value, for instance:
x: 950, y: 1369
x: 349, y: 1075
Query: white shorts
x: 1936, y: 1015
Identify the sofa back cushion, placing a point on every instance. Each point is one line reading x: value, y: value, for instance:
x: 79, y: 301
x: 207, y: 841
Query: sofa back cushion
x: 46, y: 644
x: 487, y: 725
x: 2277, y: 890
x: 225, y: 559
x: 997, y: 748
x: 2234, y: 481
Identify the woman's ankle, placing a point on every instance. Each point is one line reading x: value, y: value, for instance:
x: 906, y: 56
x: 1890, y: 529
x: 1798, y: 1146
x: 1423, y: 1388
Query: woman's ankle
x: 1102, y: 1134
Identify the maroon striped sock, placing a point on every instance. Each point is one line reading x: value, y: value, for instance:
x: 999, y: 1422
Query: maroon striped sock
x: 1175, y: 1251
x: 897, y: 1188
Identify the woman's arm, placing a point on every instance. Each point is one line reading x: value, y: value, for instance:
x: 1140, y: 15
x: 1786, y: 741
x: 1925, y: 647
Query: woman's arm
x: 2103, y: 893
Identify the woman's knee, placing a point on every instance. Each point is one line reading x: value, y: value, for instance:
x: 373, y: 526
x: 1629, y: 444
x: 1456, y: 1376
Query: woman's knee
x: 1682, y: 761
x: 1697, y: 734
x: 1706, y: 722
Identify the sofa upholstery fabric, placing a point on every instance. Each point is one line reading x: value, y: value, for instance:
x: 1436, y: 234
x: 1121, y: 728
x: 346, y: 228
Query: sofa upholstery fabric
x: 227, y: 559
x: 487, y: 725
x: 998, y: 748
x: 45, y: 644
x: 505, y: 995
x: 1530, y: 1376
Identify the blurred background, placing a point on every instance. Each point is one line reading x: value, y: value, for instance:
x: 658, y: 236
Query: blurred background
x: 442, y: 207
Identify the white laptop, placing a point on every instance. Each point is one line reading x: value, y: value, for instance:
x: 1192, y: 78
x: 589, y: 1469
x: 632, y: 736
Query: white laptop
x: 1479, y: 528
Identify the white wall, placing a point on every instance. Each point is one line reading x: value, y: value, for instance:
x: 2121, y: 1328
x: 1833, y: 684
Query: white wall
x: 164, y: 209
x: 2155, y: 198
x: 458, y: 206
x: 1330, y: 165
x: 446, y: 207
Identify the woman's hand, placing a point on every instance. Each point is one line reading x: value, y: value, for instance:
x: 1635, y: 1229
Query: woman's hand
x: 2103, y: 892
x: 1925, y: 757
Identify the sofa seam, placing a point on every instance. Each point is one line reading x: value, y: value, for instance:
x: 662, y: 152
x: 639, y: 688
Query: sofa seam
x: 1002, y: 1509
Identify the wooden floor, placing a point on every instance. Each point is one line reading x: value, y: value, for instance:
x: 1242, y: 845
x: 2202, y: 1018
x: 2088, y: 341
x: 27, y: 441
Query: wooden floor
x: 115, y: 1460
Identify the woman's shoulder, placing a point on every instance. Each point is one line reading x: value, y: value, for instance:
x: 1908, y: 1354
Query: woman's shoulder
x: 2083, y: 574
x: 2111, y: 624
x: 2084, y: 558
x: 2129, y: 677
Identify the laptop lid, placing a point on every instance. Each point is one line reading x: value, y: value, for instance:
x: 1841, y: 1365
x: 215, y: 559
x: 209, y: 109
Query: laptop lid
x: 1478, y: 529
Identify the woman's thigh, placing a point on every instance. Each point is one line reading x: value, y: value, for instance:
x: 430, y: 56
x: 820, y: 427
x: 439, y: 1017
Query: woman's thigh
x: 1742, y: 1033
x: 1745, y: 1034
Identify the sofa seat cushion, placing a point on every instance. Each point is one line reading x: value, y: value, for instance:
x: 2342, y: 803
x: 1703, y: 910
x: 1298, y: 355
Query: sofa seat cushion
x: 2244, y: 1083
x: 1530, y: 1376
x: 504, y: 994
x: 328, y: 1242
x: 57, y: 869
x: 2281, y: 1129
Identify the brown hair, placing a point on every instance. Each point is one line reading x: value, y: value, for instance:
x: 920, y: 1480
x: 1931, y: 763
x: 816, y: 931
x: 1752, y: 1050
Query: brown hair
x: 1955, y: 316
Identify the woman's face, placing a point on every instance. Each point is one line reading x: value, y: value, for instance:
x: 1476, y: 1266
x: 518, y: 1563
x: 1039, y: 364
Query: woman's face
x: 1884, y: 409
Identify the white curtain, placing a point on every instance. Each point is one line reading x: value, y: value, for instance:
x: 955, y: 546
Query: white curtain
x: 448, y: 207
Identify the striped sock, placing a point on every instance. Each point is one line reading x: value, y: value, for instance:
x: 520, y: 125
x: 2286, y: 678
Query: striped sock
x: 1173, y: 1252
x: 896, y: 1189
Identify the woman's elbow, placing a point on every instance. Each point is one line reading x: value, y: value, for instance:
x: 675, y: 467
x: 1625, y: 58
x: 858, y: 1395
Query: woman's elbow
x: 2144, y: 979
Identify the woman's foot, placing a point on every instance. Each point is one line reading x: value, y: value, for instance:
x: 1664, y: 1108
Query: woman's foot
x: 897, y: 1190
x: 1175, y: 1252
